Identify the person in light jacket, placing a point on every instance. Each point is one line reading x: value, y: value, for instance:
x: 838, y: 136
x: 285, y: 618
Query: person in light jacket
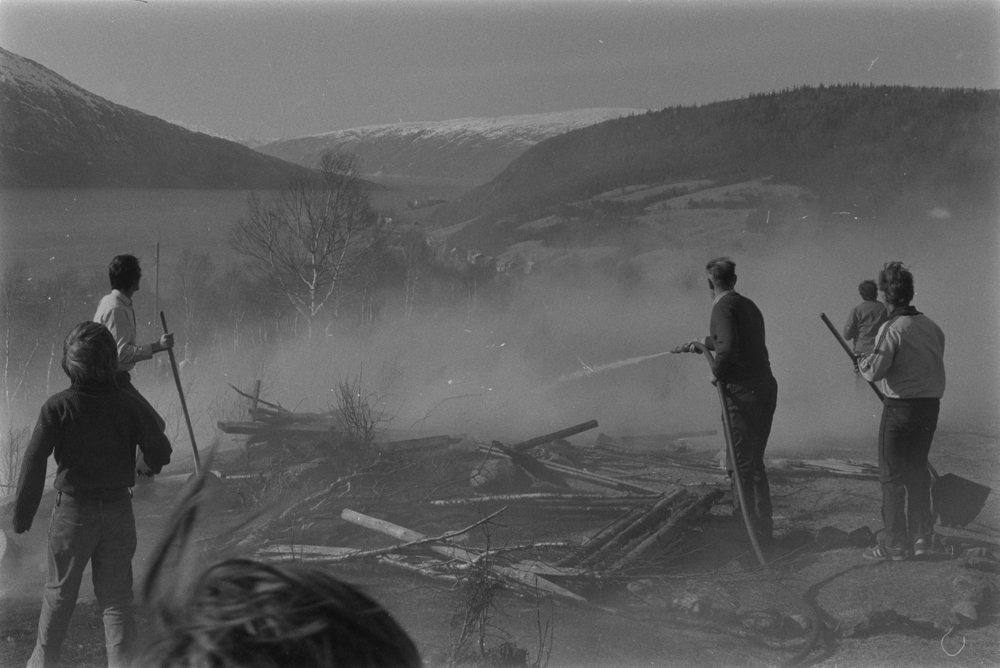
x: 907, y: 363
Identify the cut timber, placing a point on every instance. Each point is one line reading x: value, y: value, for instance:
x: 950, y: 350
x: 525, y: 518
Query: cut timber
x: 579, y: 474
x: 603, y: 535
x: 303, y: 553
x: 532, y: 497
x: 669, y: 532
x: 639, y: 527
x: 513, y: 574
x: 548, y: 438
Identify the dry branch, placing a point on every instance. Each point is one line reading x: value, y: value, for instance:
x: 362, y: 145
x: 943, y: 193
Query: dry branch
x: 515, y: 575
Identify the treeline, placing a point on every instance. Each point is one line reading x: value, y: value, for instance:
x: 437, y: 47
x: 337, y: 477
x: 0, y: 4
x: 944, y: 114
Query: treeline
x: 868, y: 147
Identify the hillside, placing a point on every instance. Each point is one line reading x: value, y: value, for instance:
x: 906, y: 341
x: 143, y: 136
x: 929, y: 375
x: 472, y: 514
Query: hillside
x: 55, y: 133
x: 471, y: 150
x: 862, y: 149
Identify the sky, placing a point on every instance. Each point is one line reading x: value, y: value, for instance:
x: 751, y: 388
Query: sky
x: 282, y: 69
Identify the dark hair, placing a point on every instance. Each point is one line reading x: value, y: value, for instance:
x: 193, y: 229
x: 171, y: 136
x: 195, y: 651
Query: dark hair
x: 896, y: 282
x: 868, y: 290
x: 249, y: 614
x: 124, y: 272
x: 722, y: 270
x: 90, y: 355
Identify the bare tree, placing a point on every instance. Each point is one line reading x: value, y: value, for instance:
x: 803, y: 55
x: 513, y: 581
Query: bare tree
x: 312, y: 238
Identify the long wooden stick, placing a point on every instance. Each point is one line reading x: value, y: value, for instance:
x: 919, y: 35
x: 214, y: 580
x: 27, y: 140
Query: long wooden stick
x: 180, y: 393
x: 850, y: 353
x: 548, y: 438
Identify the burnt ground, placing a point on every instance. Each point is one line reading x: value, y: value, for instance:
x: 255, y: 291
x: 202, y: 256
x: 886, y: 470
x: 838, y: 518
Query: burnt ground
x: 704, y: 602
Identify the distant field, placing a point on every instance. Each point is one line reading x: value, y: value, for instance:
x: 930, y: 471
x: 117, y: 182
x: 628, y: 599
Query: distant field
x: 58, y: 228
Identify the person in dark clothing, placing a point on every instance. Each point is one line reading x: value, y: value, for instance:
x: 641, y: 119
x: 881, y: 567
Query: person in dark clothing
x: 908, y: 365
x: 741, y: 363
x: 91, y: 429
x: 865, y: 319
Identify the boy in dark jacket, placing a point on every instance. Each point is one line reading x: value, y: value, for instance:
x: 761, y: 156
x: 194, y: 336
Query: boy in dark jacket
x: 91, y: 429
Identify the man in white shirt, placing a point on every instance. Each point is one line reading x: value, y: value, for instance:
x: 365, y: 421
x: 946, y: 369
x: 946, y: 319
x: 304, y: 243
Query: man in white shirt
x: 116, y: 313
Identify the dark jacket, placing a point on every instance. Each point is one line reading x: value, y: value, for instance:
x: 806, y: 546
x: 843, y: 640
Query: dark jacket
x: 92, y: 432
x: 737, y: 335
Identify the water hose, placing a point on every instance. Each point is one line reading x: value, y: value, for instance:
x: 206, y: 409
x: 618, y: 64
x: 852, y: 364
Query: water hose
x: 727, y: 427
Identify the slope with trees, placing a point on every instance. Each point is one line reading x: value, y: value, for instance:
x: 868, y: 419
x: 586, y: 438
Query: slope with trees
x: 865, y: 147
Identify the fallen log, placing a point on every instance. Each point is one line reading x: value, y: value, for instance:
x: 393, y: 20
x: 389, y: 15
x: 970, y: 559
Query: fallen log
x: 639, y: 527
x: 514, y: 575
x: 669, y: 532
x: 548, y: 438
x: 603, y: 535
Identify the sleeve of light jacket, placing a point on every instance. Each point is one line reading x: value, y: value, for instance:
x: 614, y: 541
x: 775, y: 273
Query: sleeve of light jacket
x: 725, y: 338
x: 875, y: 365
x: 31, y: 483
x: 120, y: 326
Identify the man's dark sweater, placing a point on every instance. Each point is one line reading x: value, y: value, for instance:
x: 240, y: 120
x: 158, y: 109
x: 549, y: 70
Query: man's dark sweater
x: 92, y: 431
x: 737, y: 334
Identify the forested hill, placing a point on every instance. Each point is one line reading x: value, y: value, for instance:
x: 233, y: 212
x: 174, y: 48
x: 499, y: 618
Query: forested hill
x: 863, y: 147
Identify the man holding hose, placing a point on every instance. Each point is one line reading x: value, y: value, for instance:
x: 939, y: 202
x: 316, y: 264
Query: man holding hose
x: 741, y: 362
x: 908, y: 365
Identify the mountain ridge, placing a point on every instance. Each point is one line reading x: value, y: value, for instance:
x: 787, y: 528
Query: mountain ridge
x: 56, y: 133
x: 472, y: 149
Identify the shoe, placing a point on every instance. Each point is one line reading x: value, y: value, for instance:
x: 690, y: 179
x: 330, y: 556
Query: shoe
x: 921, y: 547
x: 882, y: 553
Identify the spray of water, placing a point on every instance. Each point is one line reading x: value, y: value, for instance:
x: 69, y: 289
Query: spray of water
x: 588, y: 370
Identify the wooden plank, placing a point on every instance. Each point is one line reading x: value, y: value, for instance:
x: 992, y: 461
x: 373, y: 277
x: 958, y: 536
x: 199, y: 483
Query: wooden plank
x: 407, y: 535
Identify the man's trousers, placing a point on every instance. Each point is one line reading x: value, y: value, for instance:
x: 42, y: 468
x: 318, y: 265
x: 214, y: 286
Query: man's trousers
x: 904, y: 440
x: 751, y: 406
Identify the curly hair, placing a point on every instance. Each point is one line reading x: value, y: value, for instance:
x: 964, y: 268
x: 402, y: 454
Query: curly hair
x: 242, y: 613
x: 896, y: 281
x: 90, y: 355
x: 722, y: 271
x: 868, y: 290
x: 124, y: 272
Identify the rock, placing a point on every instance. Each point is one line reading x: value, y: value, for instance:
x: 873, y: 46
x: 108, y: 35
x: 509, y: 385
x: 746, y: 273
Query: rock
x: 830, y: 538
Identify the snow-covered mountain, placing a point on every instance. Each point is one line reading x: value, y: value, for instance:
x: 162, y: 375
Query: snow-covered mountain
x: 473, y: 150
x: 55, y: 133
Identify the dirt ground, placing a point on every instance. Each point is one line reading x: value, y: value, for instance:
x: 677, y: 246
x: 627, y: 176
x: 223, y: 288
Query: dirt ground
x: 707, y: 602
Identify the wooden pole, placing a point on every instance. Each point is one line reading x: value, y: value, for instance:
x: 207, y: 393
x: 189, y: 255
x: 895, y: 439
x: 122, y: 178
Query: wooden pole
x: 548, y: 438
x: 180, y: 393
x: 156, y: 283
x: 850, y: 353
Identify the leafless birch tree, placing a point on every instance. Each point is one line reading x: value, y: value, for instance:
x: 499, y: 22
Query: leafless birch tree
x: 312, y: 238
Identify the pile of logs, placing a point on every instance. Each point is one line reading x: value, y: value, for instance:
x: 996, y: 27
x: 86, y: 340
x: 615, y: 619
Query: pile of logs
x: 641, y: 533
